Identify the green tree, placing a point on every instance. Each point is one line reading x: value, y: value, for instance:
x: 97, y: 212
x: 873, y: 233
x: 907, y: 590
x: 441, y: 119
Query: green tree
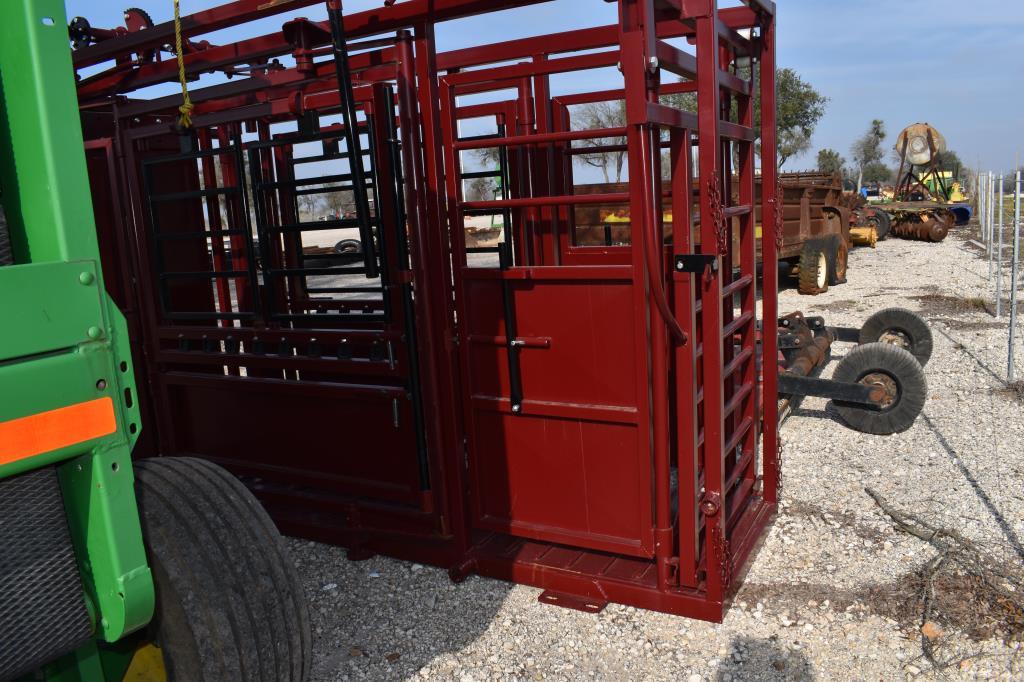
x: 867, y: 152
x: 829, y: 161
x: 877, y: 172
x: 798, y: 108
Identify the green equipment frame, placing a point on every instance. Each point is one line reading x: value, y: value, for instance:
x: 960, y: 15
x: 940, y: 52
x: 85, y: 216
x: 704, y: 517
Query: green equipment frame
x: 63, y: 342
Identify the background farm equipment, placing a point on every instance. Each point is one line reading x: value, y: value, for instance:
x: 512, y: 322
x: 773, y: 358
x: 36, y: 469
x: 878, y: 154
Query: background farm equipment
x: 927, y: 200
x: 815, y: 232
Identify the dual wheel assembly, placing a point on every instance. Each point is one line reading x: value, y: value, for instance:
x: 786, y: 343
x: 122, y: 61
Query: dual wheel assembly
x: 879, y: 387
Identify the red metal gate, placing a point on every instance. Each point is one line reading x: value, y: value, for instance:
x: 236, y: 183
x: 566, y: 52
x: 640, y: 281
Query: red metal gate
x: 585, y: 419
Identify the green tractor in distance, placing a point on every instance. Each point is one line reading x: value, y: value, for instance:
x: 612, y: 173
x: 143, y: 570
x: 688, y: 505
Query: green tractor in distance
x: 165, y: 568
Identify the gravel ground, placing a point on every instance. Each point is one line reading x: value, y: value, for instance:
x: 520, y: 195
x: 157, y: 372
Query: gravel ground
x: 834, y: 593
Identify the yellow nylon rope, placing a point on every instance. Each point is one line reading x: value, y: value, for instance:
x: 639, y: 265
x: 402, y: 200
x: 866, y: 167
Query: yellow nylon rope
x: 186, y: 105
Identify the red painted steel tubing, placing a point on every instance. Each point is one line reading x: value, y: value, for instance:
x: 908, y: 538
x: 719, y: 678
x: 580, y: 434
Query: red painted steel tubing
x: 566, y: 199
x: 540, y: 138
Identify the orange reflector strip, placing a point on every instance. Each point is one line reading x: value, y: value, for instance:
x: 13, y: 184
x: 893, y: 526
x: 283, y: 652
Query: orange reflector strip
x: 54, y: 429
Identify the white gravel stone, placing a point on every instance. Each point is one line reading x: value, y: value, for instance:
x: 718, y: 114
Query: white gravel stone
x: 825, y: 563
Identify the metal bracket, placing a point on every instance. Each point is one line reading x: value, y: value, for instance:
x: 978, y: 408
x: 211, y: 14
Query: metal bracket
x: 696, y: 263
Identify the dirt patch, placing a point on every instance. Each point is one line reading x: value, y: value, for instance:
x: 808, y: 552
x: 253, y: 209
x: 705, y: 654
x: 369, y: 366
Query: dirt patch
x: 836, y: 306
x: 967, y: 325
x: 1014, y: 391
x: 941, y: 303
x: 966, y: 603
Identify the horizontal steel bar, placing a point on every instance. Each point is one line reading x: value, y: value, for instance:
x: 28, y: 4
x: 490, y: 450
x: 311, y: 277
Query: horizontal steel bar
x: 541, y: 138
x: 556, y: 200
x: 736, y: 285
x: 195, y: 194
x: 203, y: 274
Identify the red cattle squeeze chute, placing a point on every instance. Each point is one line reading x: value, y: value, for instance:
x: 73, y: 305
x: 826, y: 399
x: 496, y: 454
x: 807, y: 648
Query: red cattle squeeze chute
x: 307, y: 310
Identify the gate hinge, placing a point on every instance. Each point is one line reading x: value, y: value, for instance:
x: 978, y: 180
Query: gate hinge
x: 696, y: 263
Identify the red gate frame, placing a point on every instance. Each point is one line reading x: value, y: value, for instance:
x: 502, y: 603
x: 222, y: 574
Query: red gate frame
x: 720, y: 517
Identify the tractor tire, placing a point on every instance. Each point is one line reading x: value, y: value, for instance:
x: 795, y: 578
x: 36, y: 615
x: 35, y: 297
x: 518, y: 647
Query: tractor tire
x: 898, y: 372
x: 882, y: 222
x: 839, y: 260
x: 814, y: 268
x: 901, y: 328
x: 6, y: 255
x: 229, y: 604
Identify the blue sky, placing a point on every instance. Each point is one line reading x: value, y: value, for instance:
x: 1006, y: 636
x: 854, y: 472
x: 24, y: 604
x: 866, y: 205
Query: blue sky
x: 957, y: 65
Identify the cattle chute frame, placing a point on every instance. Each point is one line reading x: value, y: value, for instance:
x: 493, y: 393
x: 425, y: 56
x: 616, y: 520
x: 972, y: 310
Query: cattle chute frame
x: 588, y: 420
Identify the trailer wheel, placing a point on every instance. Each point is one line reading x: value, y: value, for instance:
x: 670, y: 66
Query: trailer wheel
x: 896, y: 371
x: 882, y: 222
x: 902, y: 328
x: 814, y: 267
x: 349, y: 246
x: 229, y: 604
x: 839, y: 261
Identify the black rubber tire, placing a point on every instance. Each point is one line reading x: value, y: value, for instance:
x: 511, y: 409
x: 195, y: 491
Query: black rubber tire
x: 902, y: 368
x: 229, y: 604
x: 839, y: 260
x: 349, y: 246
x: 6, y: 255
x: 882, y: 222
x: 811, y: 279
x: 910, y: 325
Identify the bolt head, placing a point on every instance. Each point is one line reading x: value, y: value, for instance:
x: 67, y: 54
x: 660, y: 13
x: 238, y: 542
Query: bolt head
x: 94, y: 333
x: 86, y: 278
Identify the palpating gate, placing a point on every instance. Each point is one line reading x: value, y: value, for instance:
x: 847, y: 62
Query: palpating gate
x: 585, y: 419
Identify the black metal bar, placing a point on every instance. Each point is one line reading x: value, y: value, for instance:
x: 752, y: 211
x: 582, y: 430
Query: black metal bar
x: 341, y: 68
x: 194, y: 194
x: 845, y: 334
x: 855, y: 394
x: 201, y: 274
x: 408, y: 308
x: 212, y: 234
x: 472, y: 175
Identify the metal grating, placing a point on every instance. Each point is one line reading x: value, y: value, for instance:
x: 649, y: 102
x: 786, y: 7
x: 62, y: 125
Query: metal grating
x: 42, y: 609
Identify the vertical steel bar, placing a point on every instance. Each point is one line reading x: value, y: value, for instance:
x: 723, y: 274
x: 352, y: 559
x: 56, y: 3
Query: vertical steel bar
x: 709, y: 159
x: 351, y: 130
x: 770, y: 208
x: 685, y: 368
x: 999, y: 255
x: 1010, y: 368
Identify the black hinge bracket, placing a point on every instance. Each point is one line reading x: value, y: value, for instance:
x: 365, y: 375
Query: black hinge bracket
x: 696, y: 263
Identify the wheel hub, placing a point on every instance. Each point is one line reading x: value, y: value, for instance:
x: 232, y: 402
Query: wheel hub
x: 885, y: 390
x: 896, y: 337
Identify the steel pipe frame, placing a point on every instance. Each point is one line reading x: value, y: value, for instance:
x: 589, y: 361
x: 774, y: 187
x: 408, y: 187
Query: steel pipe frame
x: 425, y: 199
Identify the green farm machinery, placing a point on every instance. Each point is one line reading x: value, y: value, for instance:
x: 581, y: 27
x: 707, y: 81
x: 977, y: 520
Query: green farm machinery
x: 163, y: 569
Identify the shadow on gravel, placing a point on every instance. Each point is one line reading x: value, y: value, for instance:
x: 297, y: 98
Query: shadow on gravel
x: 979, y: 492
x: 384, y: 619
x: 749, y: 654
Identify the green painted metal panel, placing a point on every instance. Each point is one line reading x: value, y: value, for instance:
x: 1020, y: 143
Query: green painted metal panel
x: 48, y: 307
x: 43, y: 175
x: 58, y: 322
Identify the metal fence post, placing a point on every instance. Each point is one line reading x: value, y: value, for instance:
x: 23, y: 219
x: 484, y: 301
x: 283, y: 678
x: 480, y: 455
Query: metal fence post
x: 1010, y: 369
x: 990, y: 205
x: 999, y: 255
x: 982, y: 215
